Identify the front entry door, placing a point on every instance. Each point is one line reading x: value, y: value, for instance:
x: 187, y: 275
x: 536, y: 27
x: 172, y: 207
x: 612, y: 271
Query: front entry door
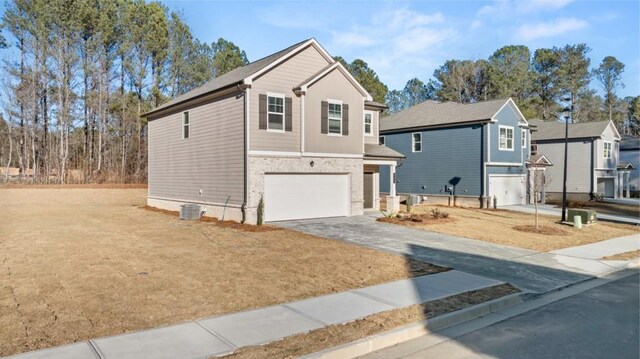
x: 368, y: 190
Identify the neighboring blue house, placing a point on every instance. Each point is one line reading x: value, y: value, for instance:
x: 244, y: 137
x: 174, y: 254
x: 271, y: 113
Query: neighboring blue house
x: 471, y: 151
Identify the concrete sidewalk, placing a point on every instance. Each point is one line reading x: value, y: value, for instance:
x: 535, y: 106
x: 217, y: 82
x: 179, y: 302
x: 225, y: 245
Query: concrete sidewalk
x: 555, y: 211
x: 224, y: 334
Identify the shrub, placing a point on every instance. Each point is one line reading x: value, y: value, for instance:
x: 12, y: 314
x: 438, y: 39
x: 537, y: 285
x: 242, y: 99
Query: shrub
x: 260, y: 211
x: 437, y: 214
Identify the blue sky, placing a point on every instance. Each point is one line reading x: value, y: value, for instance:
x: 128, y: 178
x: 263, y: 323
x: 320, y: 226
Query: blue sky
x: 405, y: 39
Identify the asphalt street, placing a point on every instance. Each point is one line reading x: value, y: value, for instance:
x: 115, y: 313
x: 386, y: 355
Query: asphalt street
x: 603, y: 322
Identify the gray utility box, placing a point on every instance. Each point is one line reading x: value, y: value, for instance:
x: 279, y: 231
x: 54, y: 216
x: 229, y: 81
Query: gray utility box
x: 413, y: 199
x: 190, y: 211
x: 588, y: 215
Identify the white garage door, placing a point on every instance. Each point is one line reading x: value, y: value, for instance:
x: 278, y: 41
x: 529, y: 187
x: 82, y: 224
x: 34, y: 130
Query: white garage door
x: 507, y: 189
x: 302, y: 196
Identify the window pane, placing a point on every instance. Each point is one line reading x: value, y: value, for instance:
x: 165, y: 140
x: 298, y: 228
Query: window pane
x: 417, y: 147
x: 367, y: 118
x: 275, y: 122
x: 334, y: 126
x: 276, y: 104
x: 185, y: 131
x: 381, y: 140
x: 416, y: 137
x: 367, y: 128
x: 185, y: 118
x: 335, y: 110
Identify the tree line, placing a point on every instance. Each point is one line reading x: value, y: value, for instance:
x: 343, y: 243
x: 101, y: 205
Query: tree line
x: 541, y: 84
x: 83, y: 72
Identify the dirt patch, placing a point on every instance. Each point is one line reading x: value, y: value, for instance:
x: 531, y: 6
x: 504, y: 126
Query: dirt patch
x: 545, y: 230
x: 497, y: 226
x: 86, y: 263
x: 335, y: 335
x: 626, y: 256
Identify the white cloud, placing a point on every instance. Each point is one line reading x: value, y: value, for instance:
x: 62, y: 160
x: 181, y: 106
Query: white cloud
x: 476, y: 24
x: 398, y: 45
x: 557, y: 27
x: 542, y: 5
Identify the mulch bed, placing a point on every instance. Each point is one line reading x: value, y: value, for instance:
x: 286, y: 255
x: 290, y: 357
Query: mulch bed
x: 416, y: 219
x: 545, y: 230
x: 224, y: 224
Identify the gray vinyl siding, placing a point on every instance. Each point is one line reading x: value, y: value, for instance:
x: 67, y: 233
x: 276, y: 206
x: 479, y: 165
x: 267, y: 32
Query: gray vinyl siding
x: 282, y: 79
x: 601, y: 162
x: 334, y: 86
x: 507, y: 117
x: 446, y: 154
x: 632, y: 156
x: 211, y: 159
x: 579, y: 169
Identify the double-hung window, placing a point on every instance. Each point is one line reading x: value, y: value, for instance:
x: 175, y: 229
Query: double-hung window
x: 275, y: 112
x: 607, y: 150
x: 368, y: 124
x: 524, y: 139
x: 381, y: 140
x: 506, y: 138
x: 416, y: 142
x: 185, y: 125
x: 335, y: 118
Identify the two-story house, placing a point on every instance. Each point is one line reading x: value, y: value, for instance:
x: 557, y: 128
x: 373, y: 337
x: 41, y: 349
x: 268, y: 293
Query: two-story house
x: 593, y: 158
x: 293, y: 129
x: 473, y: 152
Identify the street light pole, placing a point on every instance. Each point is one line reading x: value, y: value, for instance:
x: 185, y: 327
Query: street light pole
x: 566, y: 113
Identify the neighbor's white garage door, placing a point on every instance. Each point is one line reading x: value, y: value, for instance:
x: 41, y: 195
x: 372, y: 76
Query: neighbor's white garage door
x: 301, y: 196
x: 507, y: 189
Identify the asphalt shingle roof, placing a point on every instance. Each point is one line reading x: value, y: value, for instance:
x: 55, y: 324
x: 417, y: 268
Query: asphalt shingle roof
x: 374, y: 150
x: 230, y: 78
x: 553, y: 130
x: 432, y: 113
x: 629, y: 143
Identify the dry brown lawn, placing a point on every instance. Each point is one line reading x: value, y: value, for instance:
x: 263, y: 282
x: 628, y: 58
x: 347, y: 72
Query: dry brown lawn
x: 497, y: 226
x: 624, y: 256
x: 83, y: 263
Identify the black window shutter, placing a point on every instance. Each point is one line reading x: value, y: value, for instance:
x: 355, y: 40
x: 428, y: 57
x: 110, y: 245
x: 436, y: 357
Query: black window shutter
x: 324, y: 117
x: 345, y: 120
x: 288, y: 118
x: 262, y: 109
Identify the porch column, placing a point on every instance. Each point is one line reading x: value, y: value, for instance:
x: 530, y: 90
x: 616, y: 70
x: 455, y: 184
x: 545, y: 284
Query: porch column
x: 617, y: 186
x: 627, y: 184
x: 392, y: 179
x: 393, y: 201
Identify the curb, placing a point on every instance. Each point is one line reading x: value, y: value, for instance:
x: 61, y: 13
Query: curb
x: 415, y: 330
x: 500, y: 306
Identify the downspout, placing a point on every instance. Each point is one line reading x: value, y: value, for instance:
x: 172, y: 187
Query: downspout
x: 482, y: 165
x: 243, y: 207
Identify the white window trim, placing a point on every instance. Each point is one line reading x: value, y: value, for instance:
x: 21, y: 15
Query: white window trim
x: 500, y: 127
x: 335, y: 102
x: 604, y: 147
x: 364, y: 121
x: 383, y: 140
x: 187, y: 125
x: 523, y: 140
x: 284, y: 110
x: 413, y: 141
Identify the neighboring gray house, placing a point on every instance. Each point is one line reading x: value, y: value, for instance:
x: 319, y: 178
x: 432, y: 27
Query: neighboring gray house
x: 593, y: 158
x: 470, y: 152
x: 294, y: 128
x: 630, y: 156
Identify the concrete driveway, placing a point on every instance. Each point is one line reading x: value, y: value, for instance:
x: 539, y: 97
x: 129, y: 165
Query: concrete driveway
x: 526, y: 269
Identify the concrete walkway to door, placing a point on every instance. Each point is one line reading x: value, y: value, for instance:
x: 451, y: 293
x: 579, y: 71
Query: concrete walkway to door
x: 537, y: 272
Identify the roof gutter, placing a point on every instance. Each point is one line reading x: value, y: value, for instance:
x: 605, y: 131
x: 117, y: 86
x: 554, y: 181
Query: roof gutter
x: 454, y: 124
x: 176, y: 107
